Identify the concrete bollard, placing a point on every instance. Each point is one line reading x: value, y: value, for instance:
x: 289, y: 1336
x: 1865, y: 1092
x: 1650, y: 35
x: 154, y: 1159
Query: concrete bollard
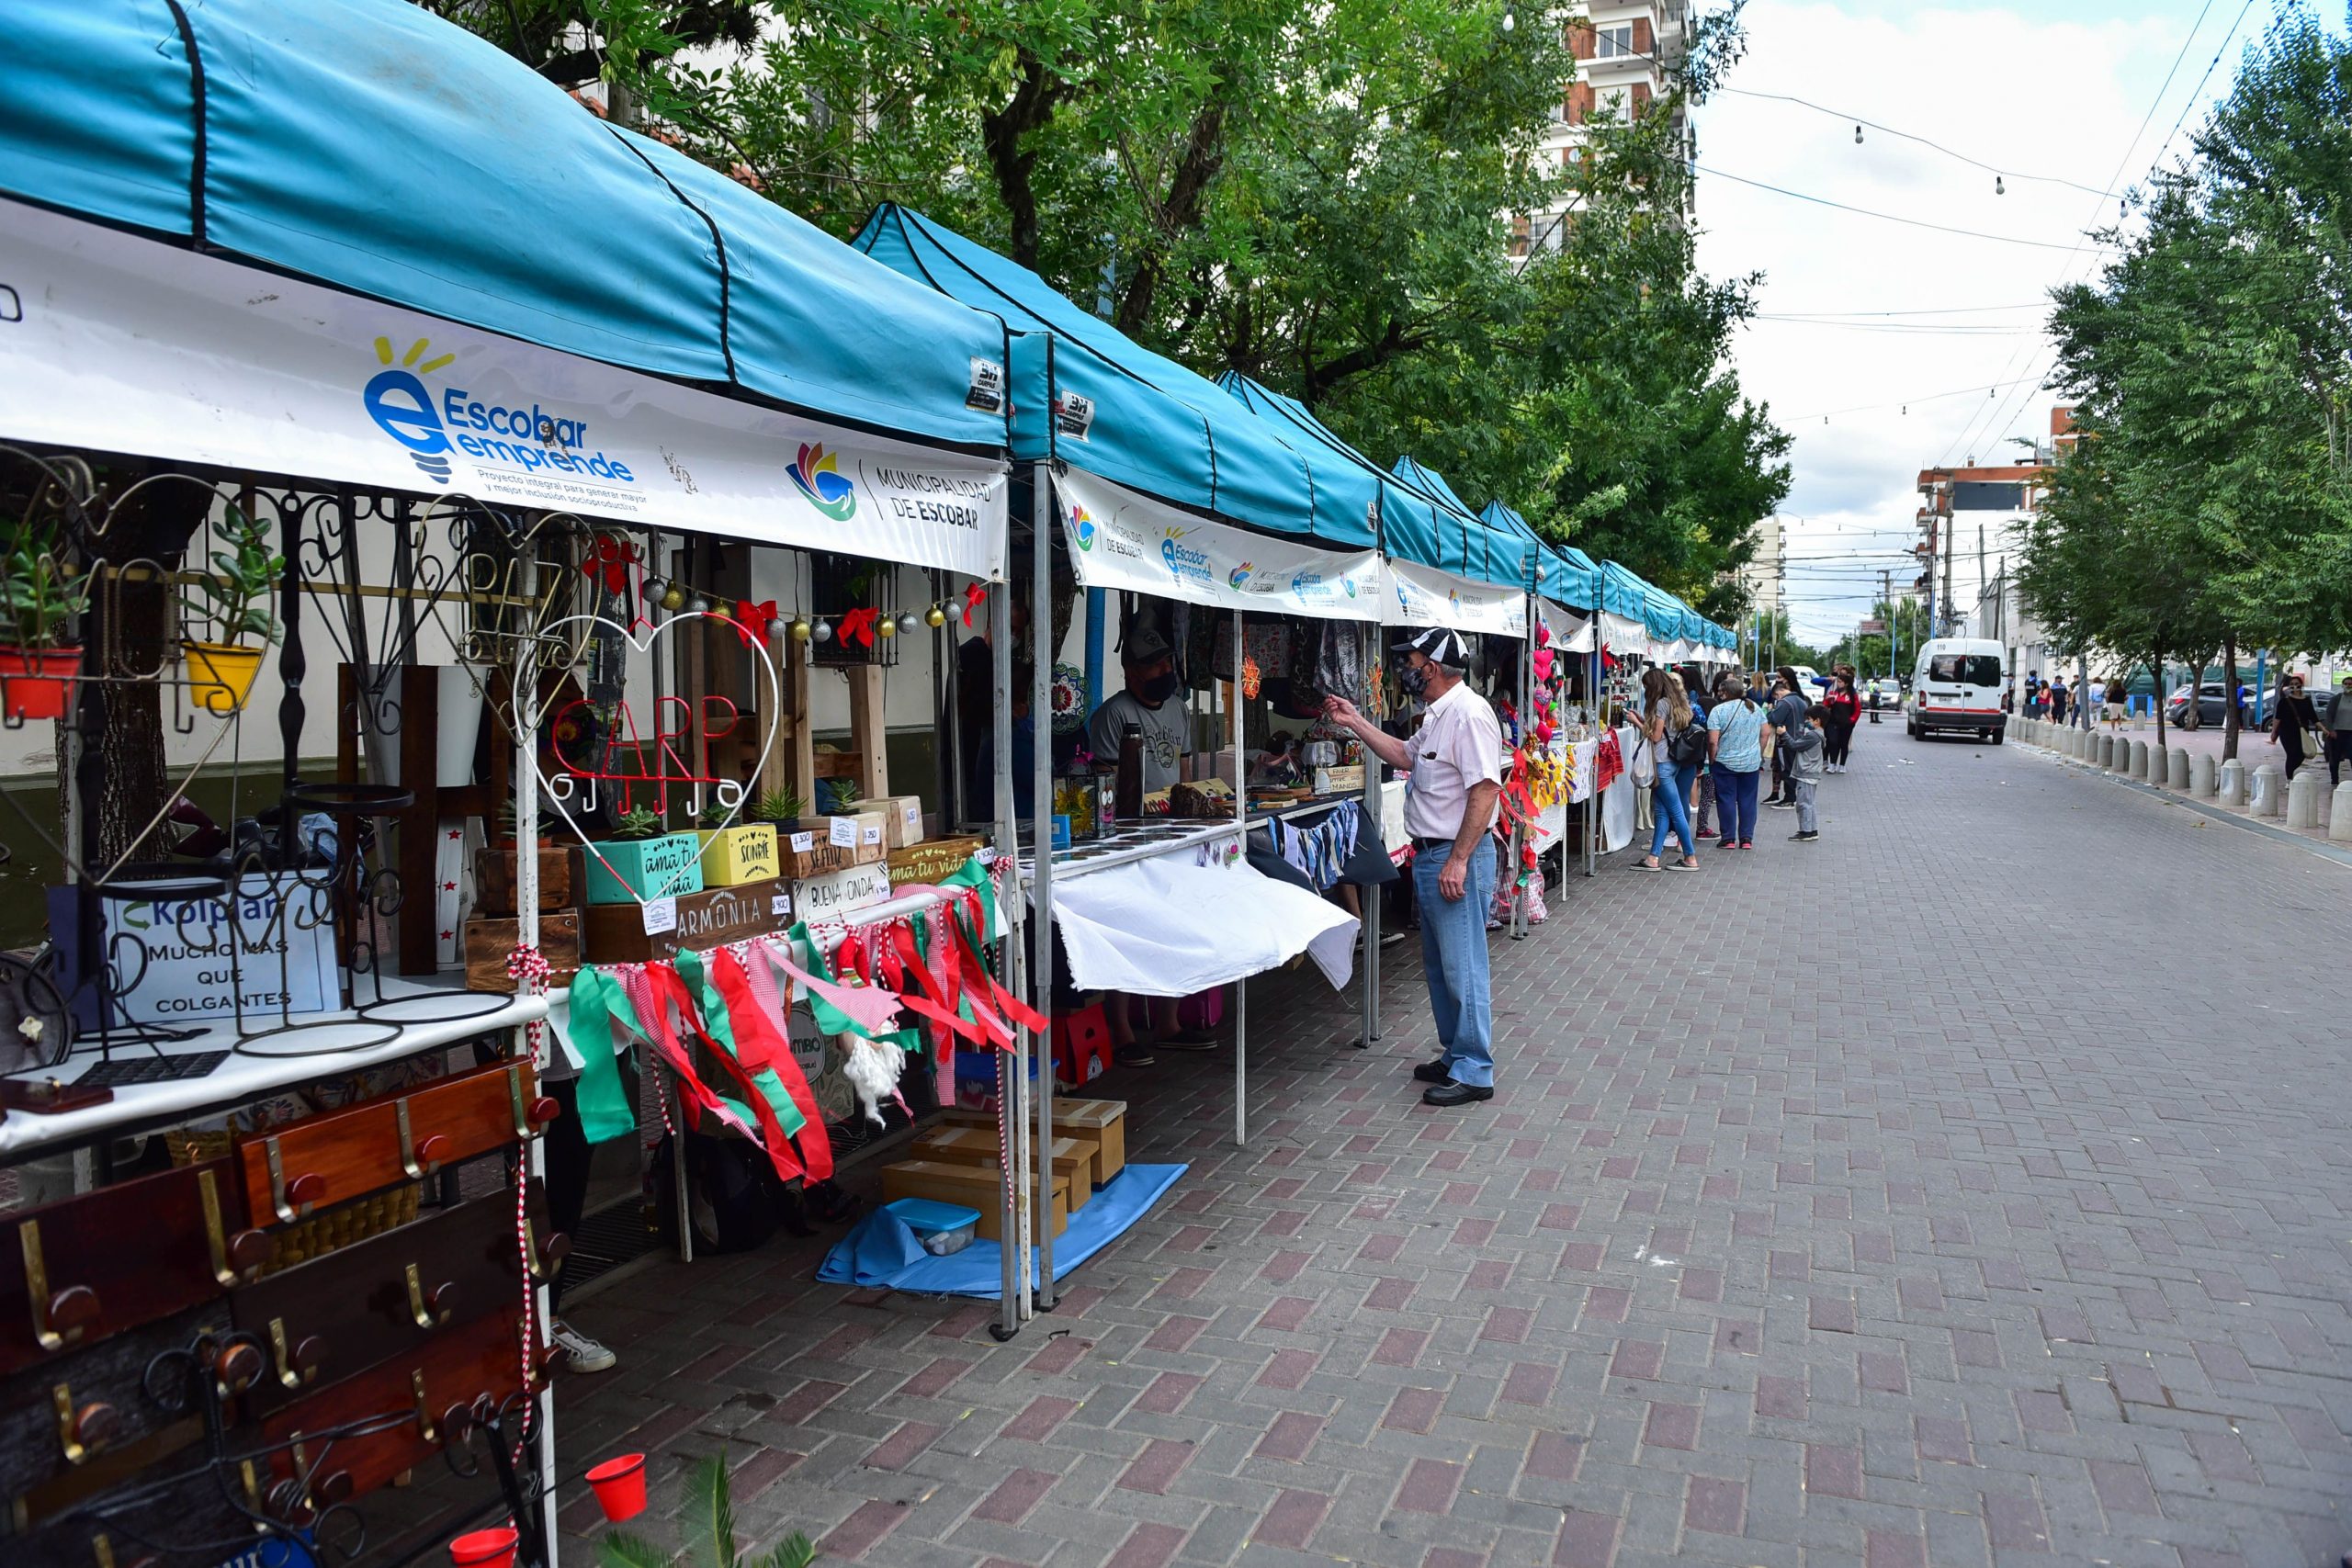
x: 2339, y: 814
x: 2201, y: 776
x: 2075, y: 743
x: 2302, y: 800
x: 2177, y: 772
x: 2231, y: 791
x: 2267, y: 799
x: 2103, y: 753
x: 2138, y: 767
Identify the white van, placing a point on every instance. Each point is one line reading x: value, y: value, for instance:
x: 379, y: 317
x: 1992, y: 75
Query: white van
x: 1956, y: 689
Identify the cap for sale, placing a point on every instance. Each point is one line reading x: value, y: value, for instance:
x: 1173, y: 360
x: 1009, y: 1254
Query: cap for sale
x: 1439, y: 644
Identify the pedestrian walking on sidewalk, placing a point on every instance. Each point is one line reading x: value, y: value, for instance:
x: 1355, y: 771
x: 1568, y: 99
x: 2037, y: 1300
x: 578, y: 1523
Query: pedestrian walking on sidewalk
x: 2058, y: 699
x: 1803, y: 744
x: 2296, y: 719
x: 2118, y: 704
x: 1453, y: 768
x: 1736, y: 750
x: 1789, y: 703
x: 1679, y: 743
x: 2339, y: 730
x: 1843, y: 707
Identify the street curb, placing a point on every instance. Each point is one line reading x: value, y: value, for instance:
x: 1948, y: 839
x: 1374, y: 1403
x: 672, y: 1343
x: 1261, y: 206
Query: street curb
x: 2321, y: 848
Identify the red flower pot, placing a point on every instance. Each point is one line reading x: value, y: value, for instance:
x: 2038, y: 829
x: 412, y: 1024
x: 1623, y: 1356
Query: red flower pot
x: 620, y: 1486
x: 38, y: 683
x: 483, y: 1549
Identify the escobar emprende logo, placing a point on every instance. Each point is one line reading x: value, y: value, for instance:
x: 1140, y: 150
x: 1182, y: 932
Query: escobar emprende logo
x: 1183, y: 561
x: 819, y: 476
x: 529, y: 439
x: 1081, y: 526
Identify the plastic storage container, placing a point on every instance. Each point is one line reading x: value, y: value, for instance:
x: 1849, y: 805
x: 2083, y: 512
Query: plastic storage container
x: 943, y: 1228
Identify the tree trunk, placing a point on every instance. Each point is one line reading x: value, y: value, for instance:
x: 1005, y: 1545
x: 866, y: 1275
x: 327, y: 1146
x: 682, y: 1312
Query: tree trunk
x: 2158, y: 666
x: 1187, y: 195
x: 1031, y: 107
x: 2229, y: 696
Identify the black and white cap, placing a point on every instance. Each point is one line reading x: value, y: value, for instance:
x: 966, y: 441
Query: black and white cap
x: 1440, y: 645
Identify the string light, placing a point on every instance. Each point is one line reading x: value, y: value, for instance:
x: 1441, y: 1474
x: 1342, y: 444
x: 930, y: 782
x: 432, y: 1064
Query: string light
x: 1857, y: 135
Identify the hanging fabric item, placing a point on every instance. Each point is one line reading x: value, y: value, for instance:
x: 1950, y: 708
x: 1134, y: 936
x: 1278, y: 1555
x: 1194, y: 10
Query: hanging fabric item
x: 762, y: 1043
x: 1610, y: 761
x: 1320, y: 852
x: 605, y: 1112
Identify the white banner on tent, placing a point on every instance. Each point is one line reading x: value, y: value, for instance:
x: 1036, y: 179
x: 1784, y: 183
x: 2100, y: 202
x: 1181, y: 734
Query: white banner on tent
x: 1123, y: 540
x: 1424, y: 597
x: 1622, y: 636
x: 1571, y: 633
x: 126, y: 345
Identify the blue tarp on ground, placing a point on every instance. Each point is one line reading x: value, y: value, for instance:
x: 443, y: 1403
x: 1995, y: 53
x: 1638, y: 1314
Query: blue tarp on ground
x: 881, y: 1251
x: 370, y: 146
x: 1444, y: 532
x: 1156, y: 427
x: 1564, y: 574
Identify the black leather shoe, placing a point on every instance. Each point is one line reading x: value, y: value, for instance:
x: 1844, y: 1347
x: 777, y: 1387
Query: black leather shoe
x: 1456, y: 1094
x: 1433, y: 1072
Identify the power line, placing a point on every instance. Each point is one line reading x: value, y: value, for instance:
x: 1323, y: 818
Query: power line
x: 1900, y: 328
x: 1998, y: 170
x: 1988, y: 388
x: 1887, y: 217
x: 1943, y: 310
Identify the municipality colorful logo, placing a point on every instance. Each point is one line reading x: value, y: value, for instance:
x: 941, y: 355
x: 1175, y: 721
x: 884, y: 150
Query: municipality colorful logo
x: 1349, y: 584
x: 525, y: 436
x: 1239, y: 576
x: 819, y: 476
x: 1081, y: 526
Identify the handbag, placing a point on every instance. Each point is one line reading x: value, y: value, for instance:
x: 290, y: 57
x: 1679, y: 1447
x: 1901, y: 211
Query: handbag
x: 1686, y: 747
x: 1642, y: 768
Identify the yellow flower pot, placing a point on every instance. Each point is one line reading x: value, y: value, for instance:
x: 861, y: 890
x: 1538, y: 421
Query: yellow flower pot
x: 221, y: 675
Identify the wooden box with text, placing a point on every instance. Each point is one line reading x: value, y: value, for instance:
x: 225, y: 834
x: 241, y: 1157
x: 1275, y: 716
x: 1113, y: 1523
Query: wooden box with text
x: 713, y: 917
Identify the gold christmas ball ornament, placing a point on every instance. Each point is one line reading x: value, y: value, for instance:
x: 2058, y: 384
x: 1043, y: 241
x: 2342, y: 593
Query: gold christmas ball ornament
x: 673, y: 597
x: 885, y: 626
x: 935, y: 616
x: 801, y: 631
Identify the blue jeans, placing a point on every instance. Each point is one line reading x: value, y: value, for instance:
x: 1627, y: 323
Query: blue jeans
x: 1668, y: 810
x: 1453, y: 953
x: 1736, y: 803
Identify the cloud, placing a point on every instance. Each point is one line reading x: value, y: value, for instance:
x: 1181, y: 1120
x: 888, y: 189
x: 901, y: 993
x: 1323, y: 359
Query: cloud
x: 2032, y: 94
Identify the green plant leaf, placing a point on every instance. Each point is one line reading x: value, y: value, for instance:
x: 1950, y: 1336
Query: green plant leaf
x: 709, y: 1515
x: 618, y: 1549
x: 793, y: 1552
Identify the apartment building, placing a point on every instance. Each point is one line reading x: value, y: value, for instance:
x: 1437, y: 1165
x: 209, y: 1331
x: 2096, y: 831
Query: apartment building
x: 1626, y: 51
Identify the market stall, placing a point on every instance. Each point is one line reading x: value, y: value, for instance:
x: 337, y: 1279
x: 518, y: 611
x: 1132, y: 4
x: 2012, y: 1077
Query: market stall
x: 335, y: 483
x: 1150, y: 489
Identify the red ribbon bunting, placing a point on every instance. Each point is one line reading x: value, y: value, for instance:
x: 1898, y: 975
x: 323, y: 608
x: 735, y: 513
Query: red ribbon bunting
x: 752, y: 621
x: 975, y: 595
x: 609, y: 562
x: 857, y: 625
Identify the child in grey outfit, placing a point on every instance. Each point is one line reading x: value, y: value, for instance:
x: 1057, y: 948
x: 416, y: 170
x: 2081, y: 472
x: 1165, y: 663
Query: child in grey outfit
x: 1803, y: 741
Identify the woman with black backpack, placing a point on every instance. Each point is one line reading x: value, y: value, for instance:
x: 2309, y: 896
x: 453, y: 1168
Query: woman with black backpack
x: 1670, y: 728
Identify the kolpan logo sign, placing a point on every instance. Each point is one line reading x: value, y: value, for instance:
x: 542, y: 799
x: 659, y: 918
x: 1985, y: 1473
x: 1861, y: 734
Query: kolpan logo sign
x: 529, y: 439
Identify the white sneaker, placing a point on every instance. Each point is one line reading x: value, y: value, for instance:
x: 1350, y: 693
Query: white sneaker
x: 582, y: 1354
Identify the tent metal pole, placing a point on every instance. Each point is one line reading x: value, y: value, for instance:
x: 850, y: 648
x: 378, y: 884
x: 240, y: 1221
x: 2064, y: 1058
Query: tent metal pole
x: 1599, y: 719
x: 1370, y: 897
x: 1241, y: 986
x: 1519, y: 834
x: 1041, y: 710
x: 1008, y: 1076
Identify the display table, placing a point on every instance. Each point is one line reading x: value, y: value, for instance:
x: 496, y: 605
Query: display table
x: 333, y: 1045
x: 1168, y: 927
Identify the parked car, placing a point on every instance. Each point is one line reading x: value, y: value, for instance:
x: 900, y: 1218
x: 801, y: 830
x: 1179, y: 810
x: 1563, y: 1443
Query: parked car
x: 2212, y: 705
x: 1958, y: 685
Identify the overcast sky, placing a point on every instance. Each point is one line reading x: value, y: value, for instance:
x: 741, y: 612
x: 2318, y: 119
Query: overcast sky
x: 2034, y: 90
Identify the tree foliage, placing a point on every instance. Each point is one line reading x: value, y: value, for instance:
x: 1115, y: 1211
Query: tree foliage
x: 1315, y: 192
x: 2208, y: 499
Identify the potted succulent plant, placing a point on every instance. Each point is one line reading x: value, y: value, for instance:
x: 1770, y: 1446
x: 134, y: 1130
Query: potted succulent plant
x: 494, y: 873
x: 236, y: 594
x: 639, y: 859
x: 41, y: 594
x: 778, y: 808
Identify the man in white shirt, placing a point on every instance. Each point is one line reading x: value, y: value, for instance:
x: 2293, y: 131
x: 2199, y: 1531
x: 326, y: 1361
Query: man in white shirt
x: 1453, y: 782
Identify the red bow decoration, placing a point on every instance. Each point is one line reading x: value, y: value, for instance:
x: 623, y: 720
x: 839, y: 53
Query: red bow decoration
x: 975, y: 595
x: 610, y: 561
x: 751, y: 620
x: 857, y: 625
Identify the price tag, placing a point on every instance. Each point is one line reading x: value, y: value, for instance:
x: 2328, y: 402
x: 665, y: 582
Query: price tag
x: 783, y: 906
x: 873, y: 835
x: 844, y: 832
x: 913, y: 816
x: 660, y: 915
x: 803, y: 842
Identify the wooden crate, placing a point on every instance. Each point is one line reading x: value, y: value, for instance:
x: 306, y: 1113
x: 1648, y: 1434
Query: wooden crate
x: 490, y: 941
x: 494, y: 878
x: 973, y: 1186
x: 1073, y: 1157
x: 713, y: 917
x: 933, y: 861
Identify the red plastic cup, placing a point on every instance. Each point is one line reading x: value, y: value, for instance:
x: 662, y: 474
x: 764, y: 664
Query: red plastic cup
x: 483, y: 1549
x: 620, y: 1485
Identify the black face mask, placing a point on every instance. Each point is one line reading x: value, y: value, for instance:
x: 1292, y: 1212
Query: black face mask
x: 1415, y: 678
x: 1157, y: 689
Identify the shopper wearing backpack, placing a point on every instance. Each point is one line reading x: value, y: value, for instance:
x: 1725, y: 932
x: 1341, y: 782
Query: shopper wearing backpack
x: 1679, y: 743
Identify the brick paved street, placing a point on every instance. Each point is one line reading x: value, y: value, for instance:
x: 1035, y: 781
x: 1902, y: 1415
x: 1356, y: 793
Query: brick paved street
x: 1822, y: 1218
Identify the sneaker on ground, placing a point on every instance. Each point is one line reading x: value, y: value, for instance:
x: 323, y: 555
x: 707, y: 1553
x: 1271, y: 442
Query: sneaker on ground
x: 1784, y: 806
x: 1803, y: 838
x: 1188, y: 1040
x: 582, y: 1354
x: 1706, y: 832
x: 1133, y: 1055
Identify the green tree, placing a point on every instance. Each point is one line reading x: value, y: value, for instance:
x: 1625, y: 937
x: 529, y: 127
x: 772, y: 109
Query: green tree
x: 1874, y: 656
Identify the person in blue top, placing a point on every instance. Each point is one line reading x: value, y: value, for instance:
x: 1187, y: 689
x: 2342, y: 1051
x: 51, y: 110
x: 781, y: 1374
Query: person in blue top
x: 1736, y: 749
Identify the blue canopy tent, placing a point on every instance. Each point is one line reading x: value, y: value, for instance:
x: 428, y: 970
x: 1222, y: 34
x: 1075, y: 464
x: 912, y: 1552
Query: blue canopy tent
x: 350, y: 243
x: 403, y: 166
x: 1163, y: 485
x: 1445, y: 564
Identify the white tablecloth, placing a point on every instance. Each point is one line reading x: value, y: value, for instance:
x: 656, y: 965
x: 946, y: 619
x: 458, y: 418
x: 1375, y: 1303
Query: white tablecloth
x: 1170, y: 928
